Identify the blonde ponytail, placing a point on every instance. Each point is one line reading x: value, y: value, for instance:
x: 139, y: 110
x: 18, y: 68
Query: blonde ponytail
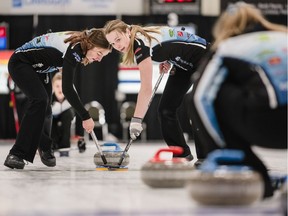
x: 237, y: 19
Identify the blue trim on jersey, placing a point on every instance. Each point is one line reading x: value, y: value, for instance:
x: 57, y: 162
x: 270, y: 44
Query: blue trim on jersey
x: 266, y: 51
x: 205, y: 95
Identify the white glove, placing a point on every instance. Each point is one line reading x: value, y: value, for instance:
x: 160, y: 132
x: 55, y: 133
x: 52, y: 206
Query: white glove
x: 135, y: 127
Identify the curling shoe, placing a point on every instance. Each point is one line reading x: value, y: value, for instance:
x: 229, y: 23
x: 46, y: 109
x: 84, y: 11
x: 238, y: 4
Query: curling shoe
x: 188, y: 157
x: 14, y: 162
x: 81, y: 145
x: 48, y: 158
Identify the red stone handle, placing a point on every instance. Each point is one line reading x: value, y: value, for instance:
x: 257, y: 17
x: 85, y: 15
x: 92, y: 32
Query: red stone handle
x: 173, y: 149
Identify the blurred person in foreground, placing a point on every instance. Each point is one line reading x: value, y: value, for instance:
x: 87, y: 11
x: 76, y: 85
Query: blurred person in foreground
x: 240, y: 94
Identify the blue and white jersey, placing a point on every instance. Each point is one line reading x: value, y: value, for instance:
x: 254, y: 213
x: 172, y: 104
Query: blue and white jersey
x: 180, y: 47
x: 45, y: 53
x: 265, y: 56
x: 54, y: 40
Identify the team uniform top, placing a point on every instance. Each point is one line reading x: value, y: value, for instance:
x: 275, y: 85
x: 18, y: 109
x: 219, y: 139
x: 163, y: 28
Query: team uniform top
x: 181, y: 48
x: 257, y: 65
x: 47, y: 53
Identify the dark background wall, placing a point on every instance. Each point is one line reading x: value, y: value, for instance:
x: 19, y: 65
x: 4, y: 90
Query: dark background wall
x: 98, y: 81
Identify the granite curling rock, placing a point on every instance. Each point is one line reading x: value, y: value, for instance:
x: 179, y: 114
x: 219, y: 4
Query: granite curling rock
x: 112, y: 156
x: 215, y: 184
x: 161, y: 173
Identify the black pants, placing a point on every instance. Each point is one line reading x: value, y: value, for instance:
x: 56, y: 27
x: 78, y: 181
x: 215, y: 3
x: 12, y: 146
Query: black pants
x: 35, y: 126
x: 176, y: 87
x: 243, y: 126
x: 61, y: 129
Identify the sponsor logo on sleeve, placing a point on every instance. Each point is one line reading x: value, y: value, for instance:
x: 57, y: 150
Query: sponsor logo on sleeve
x: 180, y: 33
x: 38, y: 65
x: 76, y: 56
x: 38, y: 39
x: 171, y: 32
x: 274, y: 60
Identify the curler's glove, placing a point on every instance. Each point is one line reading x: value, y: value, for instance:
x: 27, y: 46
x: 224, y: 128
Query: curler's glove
x: 135, y: 127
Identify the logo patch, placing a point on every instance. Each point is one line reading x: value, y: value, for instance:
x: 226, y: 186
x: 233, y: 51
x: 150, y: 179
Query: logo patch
x: 179, y: 33
x: 171, y: 32
x: 38, y: 40
x: 38, y: 65
x: 274, y: 60
x: 77, y: 57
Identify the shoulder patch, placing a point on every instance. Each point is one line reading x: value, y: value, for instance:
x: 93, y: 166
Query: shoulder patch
x: 76, y: 56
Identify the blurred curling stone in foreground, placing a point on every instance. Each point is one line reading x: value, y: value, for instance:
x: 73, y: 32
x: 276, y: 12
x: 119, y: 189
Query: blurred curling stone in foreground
x: 215, y: 184
x: 163, y: 173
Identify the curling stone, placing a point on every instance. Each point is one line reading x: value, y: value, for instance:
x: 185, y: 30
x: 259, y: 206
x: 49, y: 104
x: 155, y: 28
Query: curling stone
x: 215, y: 184
x: 161, y: 173
x: 112, y: 156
